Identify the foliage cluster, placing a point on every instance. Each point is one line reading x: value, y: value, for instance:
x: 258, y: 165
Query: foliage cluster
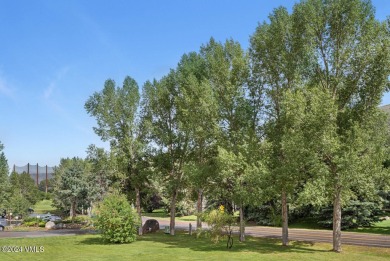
x: 355, y: 214
x: 220, y: 224
x: 117, y: 221
x: 294, y: 120
x: 33, y: 222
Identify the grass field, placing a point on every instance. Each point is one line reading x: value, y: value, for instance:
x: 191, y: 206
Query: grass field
x: 161, y: 214
x: 44, y: 206
x: 182, y: 247
x: 382, y: 227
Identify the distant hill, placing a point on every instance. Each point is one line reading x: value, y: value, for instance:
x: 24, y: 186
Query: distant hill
x: 386, y: 108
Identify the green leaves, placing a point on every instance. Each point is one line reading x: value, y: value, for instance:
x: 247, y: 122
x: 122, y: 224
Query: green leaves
x: 325, y: 68
x: 220, y: 224
x: 4, y: 178
x: 117, y: 220
x: 115, y: 112
x: 70, y: 185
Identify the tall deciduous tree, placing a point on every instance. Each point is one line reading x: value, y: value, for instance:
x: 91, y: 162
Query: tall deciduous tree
x: 228, y: 73
x: 352, y: 63
x: 279, y: 63
x: 115, y: 110
x: 198, y: 109
x: 339, y: 47
x: 162, y: 113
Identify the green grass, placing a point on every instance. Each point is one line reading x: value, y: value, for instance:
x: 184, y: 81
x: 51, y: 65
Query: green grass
x: 161, y: 214
x: 382, y: 227
x: 183, y: 247
x: 44, y: 206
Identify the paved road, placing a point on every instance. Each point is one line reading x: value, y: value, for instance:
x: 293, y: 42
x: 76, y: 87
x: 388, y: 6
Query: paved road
x: 349, y: 238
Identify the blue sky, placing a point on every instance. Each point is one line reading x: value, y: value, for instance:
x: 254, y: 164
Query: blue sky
x: 55, y: 54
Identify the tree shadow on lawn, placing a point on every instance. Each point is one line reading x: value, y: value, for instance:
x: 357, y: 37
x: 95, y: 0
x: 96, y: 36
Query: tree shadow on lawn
x: 252, y: 244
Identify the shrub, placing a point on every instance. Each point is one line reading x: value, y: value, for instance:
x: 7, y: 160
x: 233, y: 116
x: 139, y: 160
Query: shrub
x: 220, y: 224
x: 356, y: 214
x: 117, y: 221
x: 265, y: 215
x: 33, y: 222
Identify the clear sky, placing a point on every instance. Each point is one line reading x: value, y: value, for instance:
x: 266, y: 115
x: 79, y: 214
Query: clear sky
x: 55, y: 54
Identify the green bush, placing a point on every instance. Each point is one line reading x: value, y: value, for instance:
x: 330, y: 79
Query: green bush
x: 265, y: 215
x: 117, y: 221
x: 33, y: 222
x: 356, y: 214
x: 220, y: 224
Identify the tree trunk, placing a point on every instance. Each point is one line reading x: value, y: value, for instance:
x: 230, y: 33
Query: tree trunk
x: 337, y: 220
x: 138, y: 207
x: 199, y: 209
x: 284, y: 219
x: 89, y: 209
x: 242, y: 224
x: 173, y: 213
x: 73, y: 210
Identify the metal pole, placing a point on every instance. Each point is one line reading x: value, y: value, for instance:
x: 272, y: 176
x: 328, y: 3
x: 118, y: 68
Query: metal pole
x: 28, y: 168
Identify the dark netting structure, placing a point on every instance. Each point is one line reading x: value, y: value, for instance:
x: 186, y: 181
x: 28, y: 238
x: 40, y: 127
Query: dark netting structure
x: 37, y: 173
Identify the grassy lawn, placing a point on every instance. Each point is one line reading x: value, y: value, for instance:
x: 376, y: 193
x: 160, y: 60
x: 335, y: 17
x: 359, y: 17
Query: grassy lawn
x: 382, y: 227
x: 182, y: 247
x: 44, y: 206
x: 161, y: 214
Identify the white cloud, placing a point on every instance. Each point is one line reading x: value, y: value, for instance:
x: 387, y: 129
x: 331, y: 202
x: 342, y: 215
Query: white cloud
x: 49, y: 90
x: 47, y: 93
x: 5, y: 89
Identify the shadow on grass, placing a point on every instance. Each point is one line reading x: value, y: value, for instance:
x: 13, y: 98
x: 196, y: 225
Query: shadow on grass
x: 252, y: 244
x: 94, y: 241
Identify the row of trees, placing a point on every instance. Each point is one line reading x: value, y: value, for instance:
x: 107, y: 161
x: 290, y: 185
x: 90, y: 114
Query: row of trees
x: 18, y: 191
x: 296, y: 116
x: 79, y: 184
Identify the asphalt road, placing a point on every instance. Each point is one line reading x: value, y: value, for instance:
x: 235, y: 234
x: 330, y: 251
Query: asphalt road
x: 349, y: 238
